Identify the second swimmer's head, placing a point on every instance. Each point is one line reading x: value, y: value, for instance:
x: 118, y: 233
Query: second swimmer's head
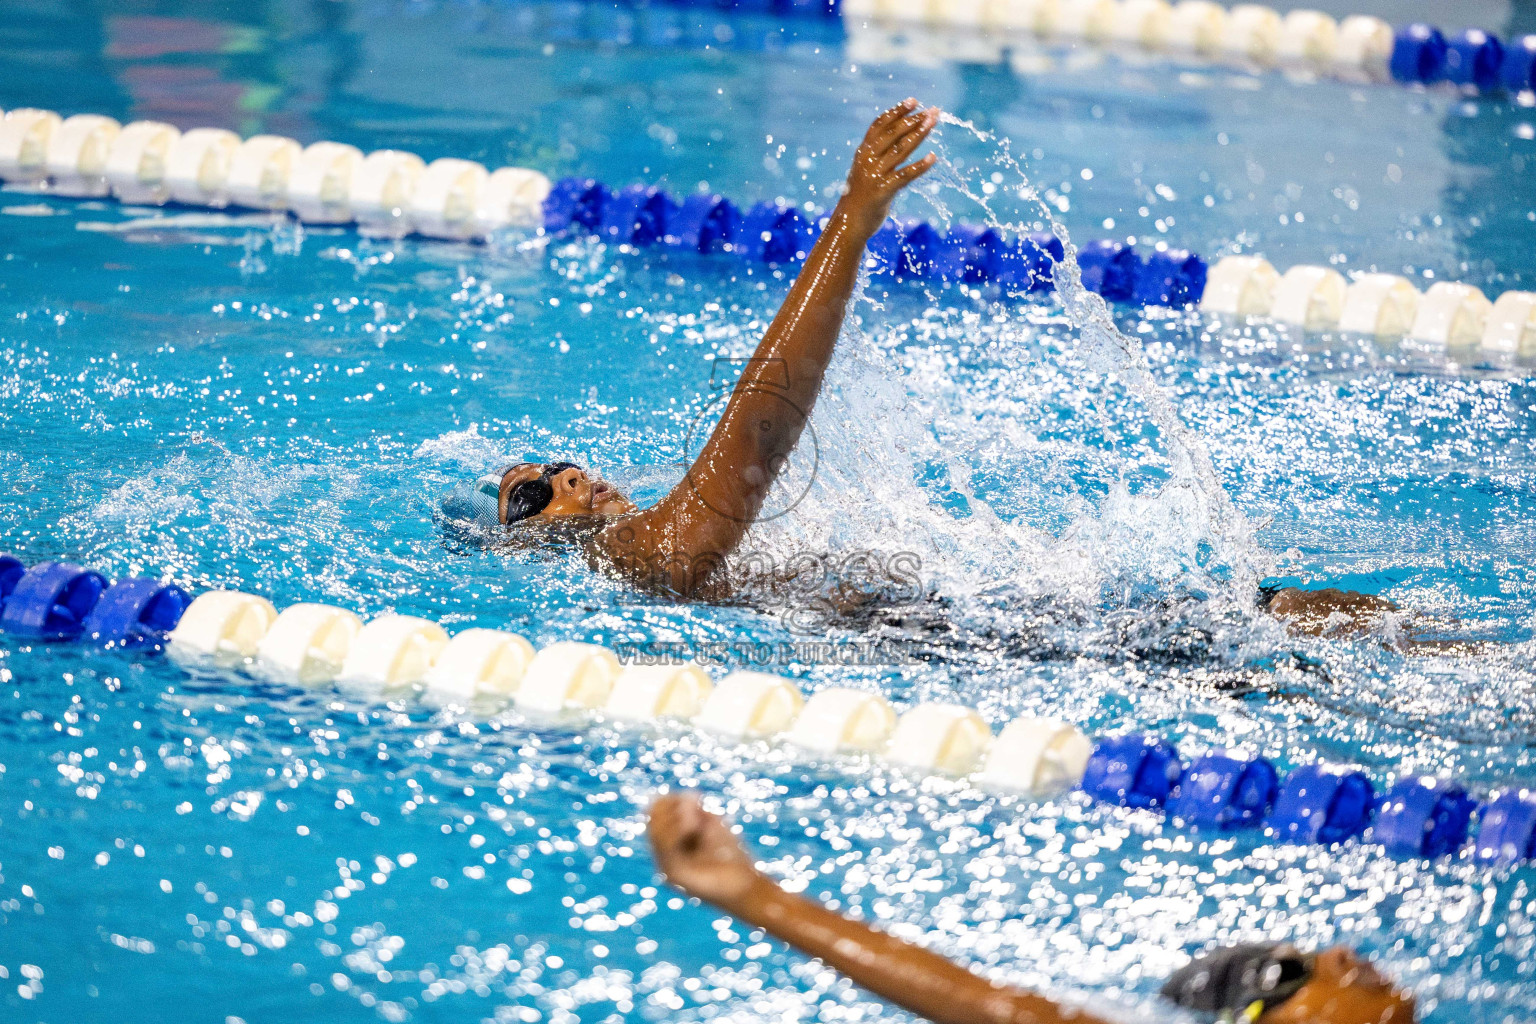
x: 531, y: 490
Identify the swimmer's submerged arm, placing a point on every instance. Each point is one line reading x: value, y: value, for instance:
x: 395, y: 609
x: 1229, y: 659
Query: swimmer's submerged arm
x: 708, y: 513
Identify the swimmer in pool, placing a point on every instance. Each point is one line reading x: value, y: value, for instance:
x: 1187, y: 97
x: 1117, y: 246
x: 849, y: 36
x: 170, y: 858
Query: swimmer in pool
x: 680, y: 544
x: 1245, y: 984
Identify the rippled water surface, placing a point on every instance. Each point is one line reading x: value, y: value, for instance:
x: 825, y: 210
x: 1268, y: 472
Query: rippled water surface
x: 232, y: 401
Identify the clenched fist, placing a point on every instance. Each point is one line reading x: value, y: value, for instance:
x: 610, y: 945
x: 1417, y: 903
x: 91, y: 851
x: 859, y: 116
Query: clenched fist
x: 697, y: 852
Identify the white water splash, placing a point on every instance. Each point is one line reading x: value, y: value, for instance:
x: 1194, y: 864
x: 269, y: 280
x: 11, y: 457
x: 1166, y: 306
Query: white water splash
x: 875, y: 429
x: 1107, y: 350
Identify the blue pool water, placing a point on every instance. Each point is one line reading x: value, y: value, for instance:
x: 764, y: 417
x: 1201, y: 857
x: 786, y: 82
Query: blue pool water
x: 240, y: 403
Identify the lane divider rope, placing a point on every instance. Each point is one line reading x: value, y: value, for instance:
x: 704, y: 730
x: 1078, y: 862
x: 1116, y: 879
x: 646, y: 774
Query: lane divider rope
x: 394, y: 193
x: 316, y: 645
x: 1457, y: 318
x: 1358, y: 48
x: 387, y: 192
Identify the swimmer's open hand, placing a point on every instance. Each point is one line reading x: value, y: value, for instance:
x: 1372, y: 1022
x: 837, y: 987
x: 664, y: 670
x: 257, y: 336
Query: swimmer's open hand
x: 697, y: 852
x: 877, y: 173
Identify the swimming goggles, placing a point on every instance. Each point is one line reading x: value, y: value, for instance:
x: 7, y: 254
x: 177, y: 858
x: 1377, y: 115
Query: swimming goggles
x: 1238, y: 983
x: 531, y: 497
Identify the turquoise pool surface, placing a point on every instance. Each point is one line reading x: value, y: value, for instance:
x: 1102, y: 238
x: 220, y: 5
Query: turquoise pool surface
x: 235, y: 401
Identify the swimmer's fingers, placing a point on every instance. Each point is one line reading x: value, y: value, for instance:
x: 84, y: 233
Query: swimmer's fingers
x: 910, y: 173
x: 900, y: 129
x: 885, y: 120
x: 908, y: 143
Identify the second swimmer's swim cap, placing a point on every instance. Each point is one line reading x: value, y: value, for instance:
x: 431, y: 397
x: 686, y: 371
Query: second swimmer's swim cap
x: 1238, y: 983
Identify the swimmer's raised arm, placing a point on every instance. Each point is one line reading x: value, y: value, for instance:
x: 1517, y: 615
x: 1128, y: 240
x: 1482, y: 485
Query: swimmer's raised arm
x: 698, y: 853
x: 687, y: 534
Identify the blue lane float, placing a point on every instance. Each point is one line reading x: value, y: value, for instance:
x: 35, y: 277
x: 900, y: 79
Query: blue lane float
x: 1170, y: 277
x: 637, y: 215
x: 968, y: 253
x: 1030, y: 263
x: 1109, y: 268
x: 1321, y: 803
x: 63, y: 601
x: 1132, y: 771
x: 1474, y: 58
x: 1471, y: 59
x: 921, y: 244
x: 777, y: 233
x: 1418, y: 54
x: 1518, y: 71
x: 1507, y: 827
x: 704, y: 223
x: 1420, y: 816
x: 1225, y: 791
x: 11, y: 571
x: 575, y: 202
x: 51, y: 601
x: 136, y: 612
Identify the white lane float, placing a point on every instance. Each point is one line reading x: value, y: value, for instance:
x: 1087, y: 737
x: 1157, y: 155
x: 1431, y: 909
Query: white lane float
x: 320, y: 183
x: 308, y: 643
x: 382, y: 186
x: 568, y: 675
x: 223, y: 624
x: 1142, y: 23
x: 446, y: 196
x: 1307, y: 39
x: 480, y: 663
x: 1363, y: 49
x: 751, y: 705
x: 1309, y: 297
x: 197, y: 168
x: 948, y: 739
x: 77, y: 155
x: 839, y: 720
x: 1088, y: 20
x: 1036, y: 755
x: 1512, y: 325
x: 1197, y: 26
x: 512, y: 197
x: 644, y: 693
x: 1451, y: 316
x: 1039, y: 17
x: 1240, y: 286
x: 24, y: 135
x: 1379, y: 305
x: 259, y: 171
x: 959, y: 13
x: 137, y: 162
x: 391, y: 652
x: 1252, y: 32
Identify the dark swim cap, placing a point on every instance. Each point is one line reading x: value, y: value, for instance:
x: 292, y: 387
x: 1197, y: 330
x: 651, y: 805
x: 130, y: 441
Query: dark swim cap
x: 1238, y: 983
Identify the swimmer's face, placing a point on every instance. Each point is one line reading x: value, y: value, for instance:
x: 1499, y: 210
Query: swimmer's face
x: 574, y: 492
x: 1344, y: 989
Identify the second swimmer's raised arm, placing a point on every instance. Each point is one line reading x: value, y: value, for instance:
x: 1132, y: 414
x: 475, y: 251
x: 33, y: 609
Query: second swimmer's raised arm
x: 678, y: 541
x: 697, y: 852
